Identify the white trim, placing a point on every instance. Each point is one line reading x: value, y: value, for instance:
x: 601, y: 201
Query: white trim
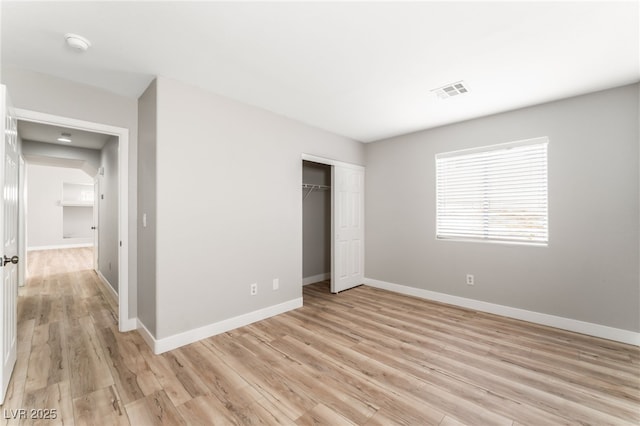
x: 59, y: 247
x: 96, y: 222
x: 125, y: 323
x: 334, y: 251
x: 316, y: 278
x: 489, y: 182
x: 330, y: 162
x: 503, y: 242
x: 22, y: 228
x: 596, y: 330
x: 146, y: 335
x: 128, y: 324
x: 494, y: 147
x: 56, y: 120
x: 177, y: 340
x: 106, y: 282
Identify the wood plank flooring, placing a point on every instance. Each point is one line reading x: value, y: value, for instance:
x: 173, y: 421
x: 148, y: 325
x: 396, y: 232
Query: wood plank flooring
x: 363, y: 357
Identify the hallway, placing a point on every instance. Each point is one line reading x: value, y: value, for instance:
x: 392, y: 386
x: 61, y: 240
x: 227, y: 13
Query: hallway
x: 73, y: 365
x: 66, y: 325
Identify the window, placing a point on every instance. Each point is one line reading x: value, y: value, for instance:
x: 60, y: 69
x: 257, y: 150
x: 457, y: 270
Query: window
x: 495, y: 193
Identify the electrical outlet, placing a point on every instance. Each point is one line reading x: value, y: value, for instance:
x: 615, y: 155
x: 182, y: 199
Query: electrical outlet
x: 470, y: 280
x: 254, y: 289
x: 276, y: 283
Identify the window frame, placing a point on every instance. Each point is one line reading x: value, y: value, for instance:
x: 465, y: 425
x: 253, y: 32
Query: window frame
x: 495, y: 239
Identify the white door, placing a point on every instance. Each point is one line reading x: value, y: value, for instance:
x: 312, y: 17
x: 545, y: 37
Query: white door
x: 9, y: 238
x: 96, y: 219
x: 347, y: 269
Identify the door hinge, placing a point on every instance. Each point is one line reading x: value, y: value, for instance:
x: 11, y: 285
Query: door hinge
x: 120, y: 243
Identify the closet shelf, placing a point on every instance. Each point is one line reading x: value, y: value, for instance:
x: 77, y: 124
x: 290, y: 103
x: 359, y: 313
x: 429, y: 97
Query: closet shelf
x: 76, y: 203
x: 313, y: 187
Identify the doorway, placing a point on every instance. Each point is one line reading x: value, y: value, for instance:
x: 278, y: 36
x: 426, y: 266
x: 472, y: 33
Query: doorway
x: 119, y: 207
x: 335, y: 219
x: 316, y: 223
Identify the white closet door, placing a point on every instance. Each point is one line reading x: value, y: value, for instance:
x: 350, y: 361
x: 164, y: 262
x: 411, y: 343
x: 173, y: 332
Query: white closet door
x: 347, y: 269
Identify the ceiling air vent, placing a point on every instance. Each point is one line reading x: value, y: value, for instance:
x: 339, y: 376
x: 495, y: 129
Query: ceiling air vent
x: 450, y: 90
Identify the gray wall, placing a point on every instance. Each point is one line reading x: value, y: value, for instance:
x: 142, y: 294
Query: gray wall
x: 316, y: 221
x: 108, y: 215
x: 229, y: 210
x: 588, y: 272
x: 39, y: 92
x: 147, y: 137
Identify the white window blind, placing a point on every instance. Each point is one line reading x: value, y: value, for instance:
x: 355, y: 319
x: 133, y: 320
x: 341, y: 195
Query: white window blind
x: 495, y: 193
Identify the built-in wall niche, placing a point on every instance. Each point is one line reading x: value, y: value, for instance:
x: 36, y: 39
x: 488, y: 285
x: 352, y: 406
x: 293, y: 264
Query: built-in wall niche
x: 77, y: 194
x: 77, y: 210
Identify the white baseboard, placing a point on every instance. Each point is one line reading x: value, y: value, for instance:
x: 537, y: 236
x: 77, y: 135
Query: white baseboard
x: 59, y: 247
x: 146, y: 335
x: 126, y: 324
x: 591, y: 329
x: 316, y: 278
x: 106, y: 282
x: 172, y: 342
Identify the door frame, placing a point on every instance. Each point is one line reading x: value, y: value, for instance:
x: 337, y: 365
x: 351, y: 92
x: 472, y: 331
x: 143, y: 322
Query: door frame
x: 22, y: 213
x: 96, y: 222
x: 332, y: 163
x: 125, y: 322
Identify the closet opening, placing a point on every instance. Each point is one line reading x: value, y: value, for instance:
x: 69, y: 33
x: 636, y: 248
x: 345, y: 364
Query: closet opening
x: 316, y: 226
x: 333, y: 224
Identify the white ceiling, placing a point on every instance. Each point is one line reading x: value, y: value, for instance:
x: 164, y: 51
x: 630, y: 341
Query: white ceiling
x: 49, y: 134
x: 360, y: 69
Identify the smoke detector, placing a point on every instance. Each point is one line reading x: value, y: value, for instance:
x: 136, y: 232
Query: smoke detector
x: 450, y: 90
x: 77, y: 42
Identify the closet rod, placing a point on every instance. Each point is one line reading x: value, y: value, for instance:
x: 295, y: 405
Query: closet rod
x: 311, y: 187
x: 315, y: 186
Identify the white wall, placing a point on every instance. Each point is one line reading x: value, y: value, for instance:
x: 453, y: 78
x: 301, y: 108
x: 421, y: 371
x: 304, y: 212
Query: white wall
x: 77, y: 223
x: 589, y: 272
x: 45, y: 214
x: 229, y: 208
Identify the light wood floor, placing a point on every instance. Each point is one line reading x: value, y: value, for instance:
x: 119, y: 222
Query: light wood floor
x: 365, y: 356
